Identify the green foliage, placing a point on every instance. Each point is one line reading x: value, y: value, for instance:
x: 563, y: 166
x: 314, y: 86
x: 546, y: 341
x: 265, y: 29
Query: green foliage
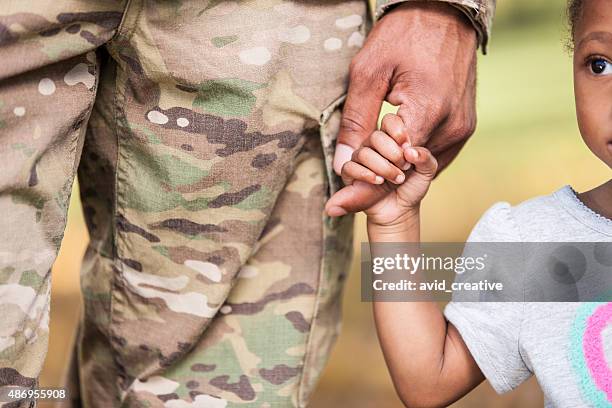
x: 520, y: 13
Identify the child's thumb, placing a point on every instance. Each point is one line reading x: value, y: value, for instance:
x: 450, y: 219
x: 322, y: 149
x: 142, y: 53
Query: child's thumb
x: 357, y: 197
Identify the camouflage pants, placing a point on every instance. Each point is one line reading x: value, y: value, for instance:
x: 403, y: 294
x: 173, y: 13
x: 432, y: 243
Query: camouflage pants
x: 202, y: 132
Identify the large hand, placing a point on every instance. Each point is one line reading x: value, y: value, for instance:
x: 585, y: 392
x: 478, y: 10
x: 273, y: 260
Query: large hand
x: 421, y: 56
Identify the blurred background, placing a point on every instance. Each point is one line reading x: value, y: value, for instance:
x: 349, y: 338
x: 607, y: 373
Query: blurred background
x: 527, y: 144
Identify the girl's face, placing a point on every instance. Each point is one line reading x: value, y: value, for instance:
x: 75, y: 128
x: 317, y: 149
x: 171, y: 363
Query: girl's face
x: 593, y: 77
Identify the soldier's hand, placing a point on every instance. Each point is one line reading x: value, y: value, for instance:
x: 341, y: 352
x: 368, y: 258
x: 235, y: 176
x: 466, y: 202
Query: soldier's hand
x: 421, y: 56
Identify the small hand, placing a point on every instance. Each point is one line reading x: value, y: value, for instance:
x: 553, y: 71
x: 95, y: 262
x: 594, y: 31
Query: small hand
x: 386, y: 155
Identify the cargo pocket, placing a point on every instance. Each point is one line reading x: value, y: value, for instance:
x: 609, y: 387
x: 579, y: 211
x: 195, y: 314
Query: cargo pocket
x: 337, y: 241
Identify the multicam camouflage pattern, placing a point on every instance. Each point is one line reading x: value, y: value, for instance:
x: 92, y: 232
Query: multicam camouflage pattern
x: 203, y: 133
x: 479, y: 12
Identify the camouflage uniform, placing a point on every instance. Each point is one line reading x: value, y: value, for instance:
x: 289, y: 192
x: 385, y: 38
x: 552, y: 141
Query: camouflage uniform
x: 203, y: 133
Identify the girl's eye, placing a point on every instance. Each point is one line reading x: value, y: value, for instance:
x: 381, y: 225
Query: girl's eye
x: 600, y: 66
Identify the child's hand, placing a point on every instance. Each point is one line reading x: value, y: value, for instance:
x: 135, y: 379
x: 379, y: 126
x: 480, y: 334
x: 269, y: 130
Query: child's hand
x: 382, y: 157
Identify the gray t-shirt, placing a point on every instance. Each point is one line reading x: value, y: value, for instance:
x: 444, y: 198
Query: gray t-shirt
x: 568, y: 346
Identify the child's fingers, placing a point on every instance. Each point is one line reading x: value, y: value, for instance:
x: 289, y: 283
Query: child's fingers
x: 388, y: 148
x: 424, y: 162
x: 357, y: 197
x: 394, y: 126
x: 352, y: 171
x: 378, y: 164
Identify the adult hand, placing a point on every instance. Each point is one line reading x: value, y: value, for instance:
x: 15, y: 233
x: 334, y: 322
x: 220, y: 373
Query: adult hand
x: 421, y: 56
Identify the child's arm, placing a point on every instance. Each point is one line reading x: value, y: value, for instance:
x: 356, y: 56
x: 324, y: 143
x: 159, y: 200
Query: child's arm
x: 428, y: 360
x: 429, y: 363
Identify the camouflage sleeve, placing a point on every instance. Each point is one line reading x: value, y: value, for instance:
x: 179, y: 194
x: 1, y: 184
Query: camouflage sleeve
x: 480, y: 13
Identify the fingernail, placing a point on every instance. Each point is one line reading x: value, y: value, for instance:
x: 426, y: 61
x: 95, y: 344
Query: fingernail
x: 406, y: 145
x: 379, y: 180
x: 406, y: 166
x: 336, y: 211
x: 342, y: 155
x: 400, y: 179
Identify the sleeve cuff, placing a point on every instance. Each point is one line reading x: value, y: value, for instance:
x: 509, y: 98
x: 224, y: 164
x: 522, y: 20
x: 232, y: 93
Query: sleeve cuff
x: 479, y: 12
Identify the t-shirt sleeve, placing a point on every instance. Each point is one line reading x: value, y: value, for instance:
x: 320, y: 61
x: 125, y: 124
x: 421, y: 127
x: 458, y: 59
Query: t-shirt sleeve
x: 491, y: 330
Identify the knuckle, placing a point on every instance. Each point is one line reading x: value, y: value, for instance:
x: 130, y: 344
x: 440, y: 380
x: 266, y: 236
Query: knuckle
x: 463, y: 128
x: 377, y: 138
x: 365, y: 173
x: 346, y: 168
x: 362, y: 69
x: 437, y: 107
x: 434, y: 161
x: 468, y: 127
x: 352, y: 121
x: 425, y: 119
x: 383, y: 143
x: 472, y: 124
x: 460, y: 131
x: 390, y: 170
x: 362, y: 154
x: 388, y: 119
x: 433, y: 108
x: 356, y: 68
x: 397, y: 155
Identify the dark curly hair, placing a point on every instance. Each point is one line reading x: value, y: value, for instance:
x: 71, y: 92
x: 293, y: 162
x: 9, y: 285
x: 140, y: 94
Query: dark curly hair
x: 574, y: 11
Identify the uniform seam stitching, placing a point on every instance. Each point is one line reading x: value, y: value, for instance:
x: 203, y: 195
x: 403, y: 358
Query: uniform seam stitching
x: 74, y: 143
x: 123, y: 21
x: 126, y: 32
x: 326, y: 114
x: 323, y: 121
x: 314, y: 314
x: 118, y: 266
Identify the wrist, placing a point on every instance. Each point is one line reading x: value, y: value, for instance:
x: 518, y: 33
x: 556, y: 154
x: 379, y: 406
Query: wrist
x: 442, y: 13
x: 441, y: 9
x: 404, y: 228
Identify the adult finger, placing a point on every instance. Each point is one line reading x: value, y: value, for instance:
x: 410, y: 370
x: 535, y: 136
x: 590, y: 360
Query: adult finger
x: 422, y: 118
x: 446, y: 141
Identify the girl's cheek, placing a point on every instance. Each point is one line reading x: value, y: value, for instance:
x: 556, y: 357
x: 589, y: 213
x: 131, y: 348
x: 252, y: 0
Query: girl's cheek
x: 594, y: 112
x: 583, y: 108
